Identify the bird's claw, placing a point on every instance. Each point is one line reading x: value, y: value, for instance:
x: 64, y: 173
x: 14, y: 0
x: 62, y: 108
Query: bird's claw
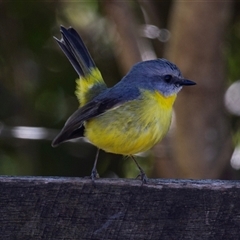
x: 94, y: 175
x: 143, y: 177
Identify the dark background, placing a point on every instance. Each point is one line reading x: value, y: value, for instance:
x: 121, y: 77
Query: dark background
x: 37, y: 83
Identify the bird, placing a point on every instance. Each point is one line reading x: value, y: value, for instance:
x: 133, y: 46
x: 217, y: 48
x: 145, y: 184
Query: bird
x: 128, y: 118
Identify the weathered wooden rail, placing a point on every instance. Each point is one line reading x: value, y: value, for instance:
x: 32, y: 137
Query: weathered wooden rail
x: 72, y: 208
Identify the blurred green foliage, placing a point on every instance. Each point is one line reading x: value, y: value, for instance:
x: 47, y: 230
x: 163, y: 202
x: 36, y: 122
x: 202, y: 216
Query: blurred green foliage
x: 37, y: 85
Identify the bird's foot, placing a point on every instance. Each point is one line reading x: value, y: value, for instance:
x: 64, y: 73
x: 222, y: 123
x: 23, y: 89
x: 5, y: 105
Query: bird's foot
x: 143, y: 177
x: 94, y: 175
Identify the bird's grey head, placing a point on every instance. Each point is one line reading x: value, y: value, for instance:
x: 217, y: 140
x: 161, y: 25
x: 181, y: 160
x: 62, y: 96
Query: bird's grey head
x: 160, y: 75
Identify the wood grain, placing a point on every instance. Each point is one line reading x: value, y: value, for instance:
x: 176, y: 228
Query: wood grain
x: 72, y: 208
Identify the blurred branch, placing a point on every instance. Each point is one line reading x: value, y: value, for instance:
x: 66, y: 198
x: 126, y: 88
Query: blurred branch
x: 202, y: 139
x: 155, y: 13
x: 126, y: 41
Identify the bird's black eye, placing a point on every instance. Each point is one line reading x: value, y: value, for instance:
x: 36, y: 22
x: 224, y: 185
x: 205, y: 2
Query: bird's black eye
x: 168, y: 78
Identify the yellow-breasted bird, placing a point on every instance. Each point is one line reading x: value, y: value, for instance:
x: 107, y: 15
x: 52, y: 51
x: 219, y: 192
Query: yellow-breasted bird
x: 128, y: 118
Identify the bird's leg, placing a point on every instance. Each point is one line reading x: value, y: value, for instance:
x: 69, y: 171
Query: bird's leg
x: 142, y: 173
x: 94, y: 173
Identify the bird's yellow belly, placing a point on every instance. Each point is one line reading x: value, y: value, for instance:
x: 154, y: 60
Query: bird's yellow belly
x: 133, y: 127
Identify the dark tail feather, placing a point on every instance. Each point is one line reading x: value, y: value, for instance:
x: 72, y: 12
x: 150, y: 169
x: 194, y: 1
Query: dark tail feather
x: 64, y: 136
x: 75, y: 50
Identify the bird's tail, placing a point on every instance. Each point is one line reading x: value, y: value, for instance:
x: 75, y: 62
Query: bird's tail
x: 90, y: 82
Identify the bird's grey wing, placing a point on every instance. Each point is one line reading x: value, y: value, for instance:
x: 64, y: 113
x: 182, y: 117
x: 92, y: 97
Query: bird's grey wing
x: 74, y: 127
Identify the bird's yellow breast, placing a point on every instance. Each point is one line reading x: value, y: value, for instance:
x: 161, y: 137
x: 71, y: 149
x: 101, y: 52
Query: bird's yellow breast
x: 133, y: 127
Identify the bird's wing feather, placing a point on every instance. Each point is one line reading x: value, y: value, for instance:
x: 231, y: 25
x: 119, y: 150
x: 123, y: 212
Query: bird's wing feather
x: 74, y: 127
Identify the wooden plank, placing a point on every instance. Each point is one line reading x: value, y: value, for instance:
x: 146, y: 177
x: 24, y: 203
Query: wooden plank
x: 72, y: 208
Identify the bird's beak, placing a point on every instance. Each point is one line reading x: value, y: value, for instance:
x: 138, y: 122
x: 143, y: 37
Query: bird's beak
x: 186, y: 82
